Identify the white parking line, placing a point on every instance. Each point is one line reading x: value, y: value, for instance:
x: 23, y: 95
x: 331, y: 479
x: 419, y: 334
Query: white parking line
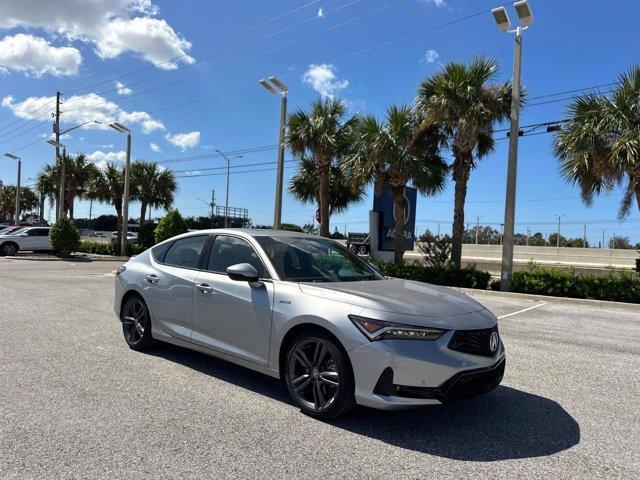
x: 522, y: 311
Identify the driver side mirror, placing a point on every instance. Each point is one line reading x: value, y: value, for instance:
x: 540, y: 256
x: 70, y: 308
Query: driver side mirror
x: 242, y: 272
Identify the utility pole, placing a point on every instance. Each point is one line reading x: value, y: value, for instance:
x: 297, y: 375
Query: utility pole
x: 502, y: 237
x: 504, y: 25
x: 477, y: 228
x: 438, y: 230
x: 528, y: 235
x: 56, y: 130
x: 584, y: 237
x: 226, y: 204
x: 213, y: 204
x: 559, y: 215
x: 17, y: 212
x: 90, y: 208
x: 603, y: 230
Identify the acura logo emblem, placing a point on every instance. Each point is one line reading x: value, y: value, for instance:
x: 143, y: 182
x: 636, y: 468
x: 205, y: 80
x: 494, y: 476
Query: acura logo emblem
x: 493, y: 342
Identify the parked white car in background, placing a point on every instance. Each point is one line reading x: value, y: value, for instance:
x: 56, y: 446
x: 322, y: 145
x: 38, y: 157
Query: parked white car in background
x: 29, y: 238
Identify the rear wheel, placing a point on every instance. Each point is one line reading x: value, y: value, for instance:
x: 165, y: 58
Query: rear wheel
x: 136, y: 323
x: 8, y: 248
x: 318, y: 375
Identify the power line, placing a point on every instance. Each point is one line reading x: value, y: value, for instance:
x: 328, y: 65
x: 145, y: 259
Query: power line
x: 251, y: 57
x: 27, y: 115
x: 223, y: 53
x: 217, y: 42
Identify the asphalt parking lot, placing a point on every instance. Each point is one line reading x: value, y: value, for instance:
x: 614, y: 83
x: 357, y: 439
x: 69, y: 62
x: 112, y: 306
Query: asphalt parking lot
x: 75, y: 402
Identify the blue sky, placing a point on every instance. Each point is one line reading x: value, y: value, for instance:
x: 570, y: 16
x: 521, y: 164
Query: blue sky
x: 82, y: 44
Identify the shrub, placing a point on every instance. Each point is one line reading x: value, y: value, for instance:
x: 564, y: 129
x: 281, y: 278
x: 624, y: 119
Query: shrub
x: 65, y: 237
x: 107, y: 248
x: 617, y: 286
x: 170, y: 225
x: 147, y: 235
x: 449, y: 275
x: 436, y: 250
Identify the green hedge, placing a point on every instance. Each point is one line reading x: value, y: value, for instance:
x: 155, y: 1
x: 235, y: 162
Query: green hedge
x: 451, y: 276
x: 616, y: 286
x: 106, y: 248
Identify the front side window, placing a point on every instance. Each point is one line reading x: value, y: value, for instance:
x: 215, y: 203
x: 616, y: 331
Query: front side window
x: 227, y: 251
x: 303, y: 259
x: 185, y: 252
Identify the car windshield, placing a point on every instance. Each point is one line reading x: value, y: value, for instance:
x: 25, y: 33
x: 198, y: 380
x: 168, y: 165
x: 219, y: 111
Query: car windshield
x: 303, y: 259
x: 12, y: 231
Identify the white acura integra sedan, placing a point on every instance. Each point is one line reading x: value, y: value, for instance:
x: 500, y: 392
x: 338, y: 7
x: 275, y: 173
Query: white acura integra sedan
x: 304, y: 309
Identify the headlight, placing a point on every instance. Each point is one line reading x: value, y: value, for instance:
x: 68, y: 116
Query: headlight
x: 379, y: 330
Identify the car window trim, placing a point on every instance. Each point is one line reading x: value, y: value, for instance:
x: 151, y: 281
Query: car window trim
x: 213, y: 238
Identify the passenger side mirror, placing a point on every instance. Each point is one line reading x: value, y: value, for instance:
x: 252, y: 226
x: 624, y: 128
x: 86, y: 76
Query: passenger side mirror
x: 242, y: 272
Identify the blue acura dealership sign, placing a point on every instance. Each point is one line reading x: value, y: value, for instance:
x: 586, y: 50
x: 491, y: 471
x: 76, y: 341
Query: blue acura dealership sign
x: 383, y: 204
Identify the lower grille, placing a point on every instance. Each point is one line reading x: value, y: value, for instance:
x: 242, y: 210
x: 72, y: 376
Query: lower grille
x: 462, y: 385
x: 475, y: 342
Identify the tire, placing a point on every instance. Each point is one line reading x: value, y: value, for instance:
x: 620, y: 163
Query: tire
x: 8, y: 249
x: 136, y: 323
x: 318, y: 375
x: 353, y: 248
x: 363, y: 250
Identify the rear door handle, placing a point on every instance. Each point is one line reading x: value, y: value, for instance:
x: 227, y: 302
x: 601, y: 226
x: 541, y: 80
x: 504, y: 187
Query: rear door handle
x: 204, y: 288
x: 151, y: 278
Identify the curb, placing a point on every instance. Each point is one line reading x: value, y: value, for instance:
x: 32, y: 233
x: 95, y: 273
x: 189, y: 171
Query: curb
x: 633, y: 307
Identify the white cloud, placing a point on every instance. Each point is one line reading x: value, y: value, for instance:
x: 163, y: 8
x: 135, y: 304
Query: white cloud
x: 437, y: 3
x: 123, y: 89
x: 320, y: 13
x: 35, y: 56
x: 112, y: 26
x: 184, y: 140
x: 322, y: 78
x: 86, y: 108
x: 101, y: 159
x: 191, y: 173
x: 155, y: 147
x: 431, y: 56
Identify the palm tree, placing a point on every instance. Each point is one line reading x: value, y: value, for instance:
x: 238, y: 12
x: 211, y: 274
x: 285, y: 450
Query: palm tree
x: 108, y: 187
x: 78, y: 173
x: 599, y: 148
x: 395, y: 153
x: 28, y: 201
x: 342, y: 190
x: 321, y: 135
x: 153, y: 186
x: 463, y: 100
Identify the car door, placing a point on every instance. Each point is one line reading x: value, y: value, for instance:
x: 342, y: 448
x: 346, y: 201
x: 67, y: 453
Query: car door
x: 28, y: 239
x: 41, y: 239
x: 232, y: 316
x: 168, y: 283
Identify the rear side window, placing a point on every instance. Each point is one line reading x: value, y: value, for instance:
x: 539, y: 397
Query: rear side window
x: 160, y: 251
x: 185, y: 252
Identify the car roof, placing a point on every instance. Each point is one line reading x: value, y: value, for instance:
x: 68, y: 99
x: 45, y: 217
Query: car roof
x: 254, y: 232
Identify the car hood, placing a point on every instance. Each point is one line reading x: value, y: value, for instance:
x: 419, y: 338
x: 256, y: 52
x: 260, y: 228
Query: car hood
x: 395, y: 295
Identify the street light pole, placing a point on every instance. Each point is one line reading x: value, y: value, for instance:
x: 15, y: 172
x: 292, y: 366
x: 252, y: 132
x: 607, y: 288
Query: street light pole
x: 559, y: 215
x: 226, y: 203
x: 125, y: 198
x: 502, y: 19
x: 17, y: 213
x: 273, y: 85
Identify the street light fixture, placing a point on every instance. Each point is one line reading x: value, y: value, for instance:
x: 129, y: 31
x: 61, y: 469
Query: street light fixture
x: 59, y: 146
x: 125, y: 197
x: 275, y: 86
x: 504, y: 25
x: 15, y: 157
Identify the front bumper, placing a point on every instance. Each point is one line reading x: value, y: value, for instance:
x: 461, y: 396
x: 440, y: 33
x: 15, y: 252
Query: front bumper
x: 393, y: 374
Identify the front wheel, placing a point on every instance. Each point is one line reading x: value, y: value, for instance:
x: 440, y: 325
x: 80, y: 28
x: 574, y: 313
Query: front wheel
x: 318, y: 376
x: 136, y: 323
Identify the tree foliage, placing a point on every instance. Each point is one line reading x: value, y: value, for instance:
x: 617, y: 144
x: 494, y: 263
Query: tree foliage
x: 64, y: 236
x: 28, y: 201
x: 170, y: 225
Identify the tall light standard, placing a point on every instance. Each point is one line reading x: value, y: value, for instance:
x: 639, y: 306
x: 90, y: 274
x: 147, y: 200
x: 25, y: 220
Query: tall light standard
x: 15, y: 157
x: 61, y: 197
x: 502, y: 19
x: 275, y: 86
x: 125, y: 197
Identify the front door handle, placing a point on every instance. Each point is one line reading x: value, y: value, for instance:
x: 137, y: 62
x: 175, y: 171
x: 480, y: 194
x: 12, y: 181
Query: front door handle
x: 151, y: 278
x: 204, y: 288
